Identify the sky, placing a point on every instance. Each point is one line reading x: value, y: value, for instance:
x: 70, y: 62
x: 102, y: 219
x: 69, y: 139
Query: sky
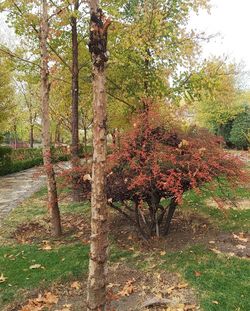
x: 229, y: 19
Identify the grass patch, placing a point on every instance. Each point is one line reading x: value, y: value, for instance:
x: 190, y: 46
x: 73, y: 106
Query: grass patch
x: 222, y: 283
x: 60, y: 263
x: 228, y: 220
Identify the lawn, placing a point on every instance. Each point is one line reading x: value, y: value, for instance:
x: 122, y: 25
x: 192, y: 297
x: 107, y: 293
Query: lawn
x: 31, y: 261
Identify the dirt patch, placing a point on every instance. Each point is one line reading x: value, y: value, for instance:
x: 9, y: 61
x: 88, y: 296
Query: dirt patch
x: 133, y: 290
x: 76, y: 227
x: 185, y: 231
x: 231, y: 244
x: 242, y: 204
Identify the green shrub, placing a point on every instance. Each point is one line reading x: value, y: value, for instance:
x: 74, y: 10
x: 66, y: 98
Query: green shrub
x: 240, y: 129
x: 5, y: 157
x: 25, y: 154
x: 16, y: 160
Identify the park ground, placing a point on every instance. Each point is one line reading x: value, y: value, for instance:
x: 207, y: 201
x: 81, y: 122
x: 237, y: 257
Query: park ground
x: 203, y: 264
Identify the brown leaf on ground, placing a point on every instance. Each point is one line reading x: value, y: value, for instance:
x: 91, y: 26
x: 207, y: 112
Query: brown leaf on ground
x: 66, y: 307
x: 197, y: 273
x: 41, y: 302
x: 128, y: 288
x: 182, y: 285
x: 189, y: 307
x: 50, y: 298
x: 216, y: 251
x: 46, y: 246
x: 240, y: 237
x: 170, y: 289
x: 76, y: 285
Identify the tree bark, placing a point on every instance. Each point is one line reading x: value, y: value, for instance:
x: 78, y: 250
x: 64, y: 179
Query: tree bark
x: 47, y: 159
x: 31, y: 135
x: 96, y: 296
x: 75, y: 160
x: 171, y: 210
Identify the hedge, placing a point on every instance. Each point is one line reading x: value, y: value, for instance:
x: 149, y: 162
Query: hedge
x: 16, y: 160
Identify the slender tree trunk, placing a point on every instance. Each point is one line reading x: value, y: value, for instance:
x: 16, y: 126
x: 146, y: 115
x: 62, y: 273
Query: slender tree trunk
x: 85, y: 142
x: 15, y: 136
x: 31, y: 135
x: 96, y: 296
x: 171, y: 210
x: 47, y: 159
x: 74, y: 106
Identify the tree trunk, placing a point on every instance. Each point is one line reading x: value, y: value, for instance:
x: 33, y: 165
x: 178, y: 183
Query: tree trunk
x: 47, y: 159
x: 96, y: 296
x: 75, y: 161
x: 171, y: 210
x: 85, y: 143
x: 31, y: 135
x: 57, y: 133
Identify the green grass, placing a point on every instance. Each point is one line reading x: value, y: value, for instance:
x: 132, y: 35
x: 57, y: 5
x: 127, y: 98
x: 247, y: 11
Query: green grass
x: 62, y: 263
x: 222, y: 280
x: 227, y: 220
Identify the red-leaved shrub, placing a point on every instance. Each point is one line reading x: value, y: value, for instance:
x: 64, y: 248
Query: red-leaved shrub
x: 154, y: 163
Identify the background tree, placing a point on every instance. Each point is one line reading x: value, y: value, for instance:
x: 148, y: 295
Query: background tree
x: 47, y: 157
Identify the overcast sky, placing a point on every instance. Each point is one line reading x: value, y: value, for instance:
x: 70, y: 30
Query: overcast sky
x: 230, y: 18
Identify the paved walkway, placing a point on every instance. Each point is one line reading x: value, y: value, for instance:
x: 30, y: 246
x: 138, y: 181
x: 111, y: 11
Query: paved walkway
x: 15, y: 188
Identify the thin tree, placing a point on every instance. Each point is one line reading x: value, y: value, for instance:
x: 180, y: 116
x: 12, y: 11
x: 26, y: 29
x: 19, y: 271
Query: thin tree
x: 75, y: 103
x: 47, y: 157
x: 96, y: 296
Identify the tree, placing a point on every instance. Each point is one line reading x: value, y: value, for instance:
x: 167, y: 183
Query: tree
x: 47, y: 157
x: 240, y: 130
x: 75, y: 101
x: 6, y: 92
x: 96, y: 296
x: 149, y: 43
x: 212, y: 93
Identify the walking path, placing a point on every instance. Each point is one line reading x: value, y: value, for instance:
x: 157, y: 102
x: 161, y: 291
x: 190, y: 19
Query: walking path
x: 15, y: 188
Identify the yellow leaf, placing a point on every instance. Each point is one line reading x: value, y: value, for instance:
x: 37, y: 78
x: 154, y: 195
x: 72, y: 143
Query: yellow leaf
x: 36, y: 266
x: 75, y: 285
x: 2, y: 278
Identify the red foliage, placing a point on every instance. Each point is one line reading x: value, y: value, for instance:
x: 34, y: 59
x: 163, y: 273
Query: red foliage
x: 154, y: 163
x: 171, y: 162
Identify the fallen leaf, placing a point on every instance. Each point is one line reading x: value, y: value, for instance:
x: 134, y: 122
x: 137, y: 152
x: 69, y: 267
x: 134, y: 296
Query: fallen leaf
x: 183, y: 285
x: 46, y: 247
x: 215, y: 302
x: 36, y: 266
x: 41, y: 302
x: 50, y: 298
x: 75, y: 285
x: 239, y: 246
x: 3, y: 278
x: 170, y: 289
x: 128, y: 288
x: 66, y: 307
x: 211, y: 242
x: 197, y: 273
x: 216, y: 251
x: 189, y: 307
x: 240, y: 237
x: 163, y: 253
